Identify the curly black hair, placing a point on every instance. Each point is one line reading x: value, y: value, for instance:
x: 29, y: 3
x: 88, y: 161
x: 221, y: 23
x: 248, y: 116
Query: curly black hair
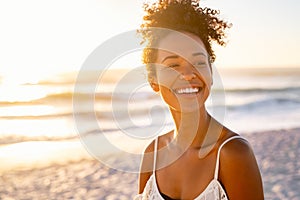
x: 180, y: 15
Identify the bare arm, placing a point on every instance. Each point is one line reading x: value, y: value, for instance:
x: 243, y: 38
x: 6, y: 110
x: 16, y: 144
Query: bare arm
x: 239, y: 172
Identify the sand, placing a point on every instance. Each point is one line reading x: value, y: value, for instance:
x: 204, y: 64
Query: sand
x: 277, y: 153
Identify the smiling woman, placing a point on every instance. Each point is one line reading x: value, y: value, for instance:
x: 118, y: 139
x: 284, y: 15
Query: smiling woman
x: 201, y: 158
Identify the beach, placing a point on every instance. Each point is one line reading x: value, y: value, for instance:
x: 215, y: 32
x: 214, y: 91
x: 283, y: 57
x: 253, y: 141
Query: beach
x: 277, y: 154
x: 50, y: 133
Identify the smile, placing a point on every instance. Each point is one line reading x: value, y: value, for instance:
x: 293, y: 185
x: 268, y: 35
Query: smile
x: 188, y: 90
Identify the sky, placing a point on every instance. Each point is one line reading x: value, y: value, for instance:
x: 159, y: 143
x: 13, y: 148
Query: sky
x: 42, y: 37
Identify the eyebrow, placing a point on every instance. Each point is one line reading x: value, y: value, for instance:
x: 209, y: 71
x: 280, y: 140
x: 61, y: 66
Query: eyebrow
x: 176, y: 56
x: 170, y: 57
x: 199, y: 54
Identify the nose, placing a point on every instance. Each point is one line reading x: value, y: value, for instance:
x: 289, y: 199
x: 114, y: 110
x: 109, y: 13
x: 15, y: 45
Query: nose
x: 187, y: 72
x: 188, y: 77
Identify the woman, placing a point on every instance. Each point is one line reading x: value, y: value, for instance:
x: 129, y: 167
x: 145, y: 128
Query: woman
x: 200, y: 158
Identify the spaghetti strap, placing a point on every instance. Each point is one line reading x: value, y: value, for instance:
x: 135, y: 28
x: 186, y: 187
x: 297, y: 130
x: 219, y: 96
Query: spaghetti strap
x: 218, y: 155
x: 155, y: 154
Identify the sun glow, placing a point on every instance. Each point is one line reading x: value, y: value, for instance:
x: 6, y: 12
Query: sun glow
x: 20, y: 93
x: 13, y: 78
x: 40, y: 154
x: 19, y: 111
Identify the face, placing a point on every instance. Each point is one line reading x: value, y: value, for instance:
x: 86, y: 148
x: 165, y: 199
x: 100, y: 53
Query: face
x: 183, y: 73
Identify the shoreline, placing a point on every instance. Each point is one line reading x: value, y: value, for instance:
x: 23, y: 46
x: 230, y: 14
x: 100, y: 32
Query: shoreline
x: 277, y: 153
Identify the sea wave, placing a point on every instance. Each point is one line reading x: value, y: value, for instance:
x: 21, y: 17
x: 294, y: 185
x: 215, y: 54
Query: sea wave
x: 11, y: 139
x: 69, y: 96
x: 279, y: 102
x: 109, y: 114
x: 263, y: 90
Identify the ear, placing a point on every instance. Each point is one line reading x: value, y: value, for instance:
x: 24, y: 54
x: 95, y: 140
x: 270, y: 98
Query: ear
x: 154, y: 86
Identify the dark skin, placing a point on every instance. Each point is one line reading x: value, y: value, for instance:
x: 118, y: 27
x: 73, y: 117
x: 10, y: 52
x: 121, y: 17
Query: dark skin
x: 186, y: 157
x: 238, y: 173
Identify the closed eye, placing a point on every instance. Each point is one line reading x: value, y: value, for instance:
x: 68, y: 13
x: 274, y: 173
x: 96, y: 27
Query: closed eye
x: 173, y: 65
x: 200, y: 64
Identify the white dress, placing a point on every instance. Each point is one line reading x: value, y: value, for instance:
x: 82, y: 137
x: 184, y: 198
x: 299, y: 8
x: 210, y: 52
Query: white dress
x: 213, y: 191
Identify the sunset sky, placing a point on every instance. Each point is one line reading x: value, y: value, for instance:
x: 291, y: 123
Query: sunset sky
x: 44, y: 37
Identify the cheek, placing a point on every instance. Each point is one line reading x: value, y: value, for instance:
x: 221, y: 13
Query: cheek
x: 208, y: 81
x: 206, y: 76
x: 169, y: 98
x: 166, y: 78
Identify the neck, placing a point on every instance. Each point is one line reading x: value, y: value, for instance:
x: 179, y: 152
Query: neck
x: 191, y: 128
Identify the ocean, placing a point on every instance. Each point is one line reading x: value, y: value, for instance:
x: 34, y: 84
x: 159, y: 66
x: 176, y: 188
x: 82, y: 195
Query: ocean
x: 40, y: 123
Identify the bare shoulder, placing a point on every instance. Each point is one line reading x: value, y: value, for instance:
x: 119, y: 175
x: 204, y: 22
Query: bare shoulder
x: 150, y: 147
x: 162, y: 140
x: 237, y: 151
x: 147, y: 162
x: 147, y: 159
x: 236, y: 148
x: 148, y: 156
x: 239, y: 172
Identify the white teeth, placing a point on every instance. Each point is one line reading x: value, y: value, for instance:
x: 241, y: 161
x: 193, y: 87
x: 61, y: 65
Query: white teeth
x: 187, y: 90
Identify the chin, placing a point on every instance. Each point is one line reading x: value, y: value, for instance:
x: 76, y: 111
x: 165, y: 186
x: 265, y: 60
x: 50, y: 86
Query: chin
x: 188, y: 109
